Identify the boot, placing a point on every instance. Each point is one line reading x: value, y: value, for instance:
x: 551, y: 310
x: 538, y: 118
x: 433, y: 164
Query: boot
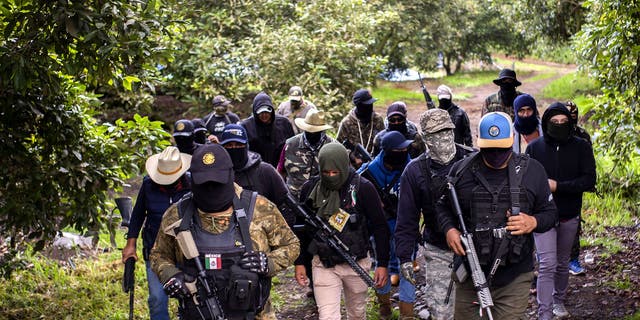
x: 384, y: 302
x: 406, y: 311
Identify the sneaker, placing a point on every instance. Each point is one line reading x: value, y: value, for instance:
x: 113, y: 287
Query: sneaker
x: 575, y: 268
x: 560, y: 311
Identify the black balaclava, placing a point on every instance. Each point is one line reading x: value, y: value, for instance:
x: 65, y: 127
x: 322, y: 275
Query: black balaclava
x: 556, y: 133
x: 200, y: 136
x: 185, y: 144
x: 400, y: 127
x: 239, y: 157
x: 213, y: 196
x: 364, y: 112
x: 396, y: 159
x: 507, y: 93
x: 496, y: 157
x: 313, y: 138
x: 295, y: 104
x: 444, y: 104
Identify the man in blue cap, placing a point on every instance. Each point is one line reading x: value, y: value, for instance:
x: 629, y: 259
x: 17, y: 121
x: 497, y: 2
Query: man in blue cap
x: 504, y: 197
x: 384, y: 172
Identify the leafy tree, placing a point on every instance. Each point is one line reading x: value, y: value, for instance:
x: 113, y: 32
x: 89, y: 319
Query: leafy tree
x: 609, y: 45
x: 58, y: 162
x: 239, y: 48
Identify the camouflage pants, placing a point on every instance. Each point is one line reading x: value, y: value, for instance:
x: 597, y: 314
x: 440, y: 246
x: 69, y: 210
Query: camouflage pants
x: 438, y: 275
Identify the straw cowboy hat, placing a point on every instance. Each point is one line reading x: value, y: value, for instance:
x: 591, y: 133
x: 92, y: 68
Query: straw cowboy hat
x: 314, y: 121
x: 167, y: 166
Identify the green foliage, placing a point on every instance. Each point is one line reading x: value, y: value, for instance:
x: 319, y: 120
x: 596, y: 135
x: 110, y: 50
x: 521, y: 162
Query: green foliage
x: 609, y: 46
x: 570, y: 86
x: 58, y: 161
x: 237, y: 49
x: 387, y: 93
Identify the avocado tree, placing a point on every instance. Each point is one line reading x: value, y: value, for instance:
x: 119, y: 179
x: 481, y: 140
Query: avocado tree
x: 57, y: 162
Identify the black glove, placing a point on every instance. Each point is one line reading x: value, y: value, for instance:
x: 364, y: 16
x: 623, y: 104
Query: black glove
x: 175, y: 287
x: 255, y: 261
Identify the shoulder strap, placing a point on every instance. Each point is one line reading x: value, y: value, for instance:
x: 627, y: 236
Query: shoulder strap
x: 516, y: 172
x: 466, y: 162
x: 247, y: 201
x: 186, y: 210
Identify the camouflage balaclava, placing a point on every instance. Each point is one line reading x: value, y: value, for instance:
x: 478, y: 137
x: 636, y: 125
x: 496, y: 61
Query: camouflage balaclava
x: 438, y: 135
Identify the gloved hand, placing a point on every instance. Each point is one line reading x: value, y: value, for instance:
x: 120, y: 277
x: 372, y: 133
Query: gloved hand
x: 175, y: 287
x: 255, y: 261
x: 407, y: 272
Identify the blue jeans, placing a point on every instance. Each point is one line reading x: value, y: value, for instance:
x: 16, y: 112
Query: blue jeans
x: 394, y: 264
x: 158, y: 300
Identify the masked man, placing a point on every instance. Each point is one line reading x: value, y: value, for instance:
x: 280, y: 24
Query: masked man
x: 296, y: 107
x: 397, y: 121
x: 220, y: 117
x: 229, y: 238
x: 503, y: 198
x: 503, y: 99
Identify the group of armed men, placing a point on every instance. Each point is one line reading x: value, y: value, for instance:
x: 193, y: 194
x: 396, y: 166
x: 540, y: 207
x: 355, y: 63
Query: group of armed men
x: 236, y: 202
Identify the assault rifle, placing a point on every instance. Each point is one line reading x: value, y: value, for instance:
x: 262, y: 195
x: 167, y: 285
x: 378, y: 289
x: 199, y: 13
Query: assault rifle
x: 326, y: 234
x: 128, y: 282
x: 477, y: 275
x: 360, y: 151
x: 425, y: 93
x: 204, y: 296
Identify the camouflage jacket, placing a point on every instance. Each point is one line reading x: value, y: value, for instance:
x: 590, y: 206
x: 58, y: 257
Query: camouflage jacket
x: 301, y: 161
x: 494, y: 103
x: 354, y: 131
x: 284, y: 109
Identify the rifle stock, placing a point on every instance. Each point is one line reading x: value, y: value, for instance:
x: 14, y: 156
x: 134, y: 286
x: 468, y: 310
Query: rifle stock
x: 477, y: 275
x: 359, y: 150
x: 425, y: 93
x: 326, y: 234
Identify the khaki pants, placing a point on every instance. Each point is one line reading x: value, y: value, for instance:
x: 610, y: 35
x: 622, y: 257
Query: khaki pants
x: 510, y: 301
x: 328, y: 283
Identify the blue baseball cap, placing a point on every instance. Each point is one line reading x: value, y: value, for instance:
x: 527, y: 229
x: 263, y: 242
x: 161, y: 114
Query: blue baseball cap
x: 495, y: 131
x: 394, y: 140
x: 233, y: 132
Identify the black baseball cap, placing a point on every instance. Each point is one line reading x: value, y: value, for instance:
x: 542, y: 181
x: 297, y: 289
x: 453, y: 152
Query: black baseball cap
x: 363, y: 96
x: 211, y: 162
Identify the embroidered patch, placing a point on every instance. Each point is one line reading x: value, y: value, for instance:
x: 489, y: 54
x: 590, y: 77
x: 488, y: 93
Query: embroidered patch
x: 339, y: 220
x: 494, y: 131
x: 208, y: 158
x: 213, y: 261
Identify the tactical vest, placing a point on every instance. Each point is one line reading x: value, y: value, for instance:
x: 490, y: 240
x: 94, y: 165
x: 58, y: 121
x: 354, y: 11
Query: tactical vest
x: 241, y: 293
x: 354, y: 235
x: 489, y: 205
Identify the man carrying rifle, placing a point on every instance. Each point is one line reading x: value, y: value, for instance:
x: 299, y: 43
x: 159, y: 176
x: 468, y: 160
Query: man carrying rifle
x: 350, y: 206
x: 227, y: 240
x: 503, y: 198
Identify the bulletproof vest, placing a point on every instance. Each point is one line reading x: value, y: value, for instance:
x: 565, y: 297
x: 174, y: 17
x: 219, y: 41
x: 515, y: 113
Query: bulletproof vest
x: 240, y: 292
x: 490, y: 204
x: 354, y: 235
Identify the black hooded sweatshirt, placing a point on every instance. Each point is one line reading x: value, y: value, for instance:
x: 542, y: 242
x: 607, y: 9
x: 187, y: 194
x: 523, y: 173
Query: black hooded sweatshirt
x: 571, y: 164
x: 267, y: 139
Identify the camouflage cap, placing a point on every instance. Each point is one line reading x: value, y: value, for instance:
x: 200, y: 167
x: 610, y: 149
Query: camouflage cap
x: 434, y: 120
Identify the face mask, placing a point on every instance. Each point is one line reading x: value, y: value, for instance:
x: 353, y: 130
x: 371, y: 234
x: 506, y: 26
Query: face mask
x: 295, y: 104
x: 495, y: 157
x: 364, y: 111
x: 200, y: 137
x: 313, y: 137
x: 220, y: 110
x: 526, y: 125
x: 400, y: 127
x: 239, y: 157
x: 396, y: 159
x: 508, y: 94
x: 444, y: 103
x: 213, y: 196
x: 559, y: 132
x: 441, y: 144
x: 332, y: 182
x: 184, y: 144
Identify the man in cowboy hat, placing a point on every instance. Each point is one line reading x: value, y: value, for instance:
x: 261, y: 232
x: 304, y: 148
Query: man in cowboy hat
x: 503, y: 99
x: 221, y: 116
x: 241, y: 239
x: 164, y: 184
x: 295, y: 107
